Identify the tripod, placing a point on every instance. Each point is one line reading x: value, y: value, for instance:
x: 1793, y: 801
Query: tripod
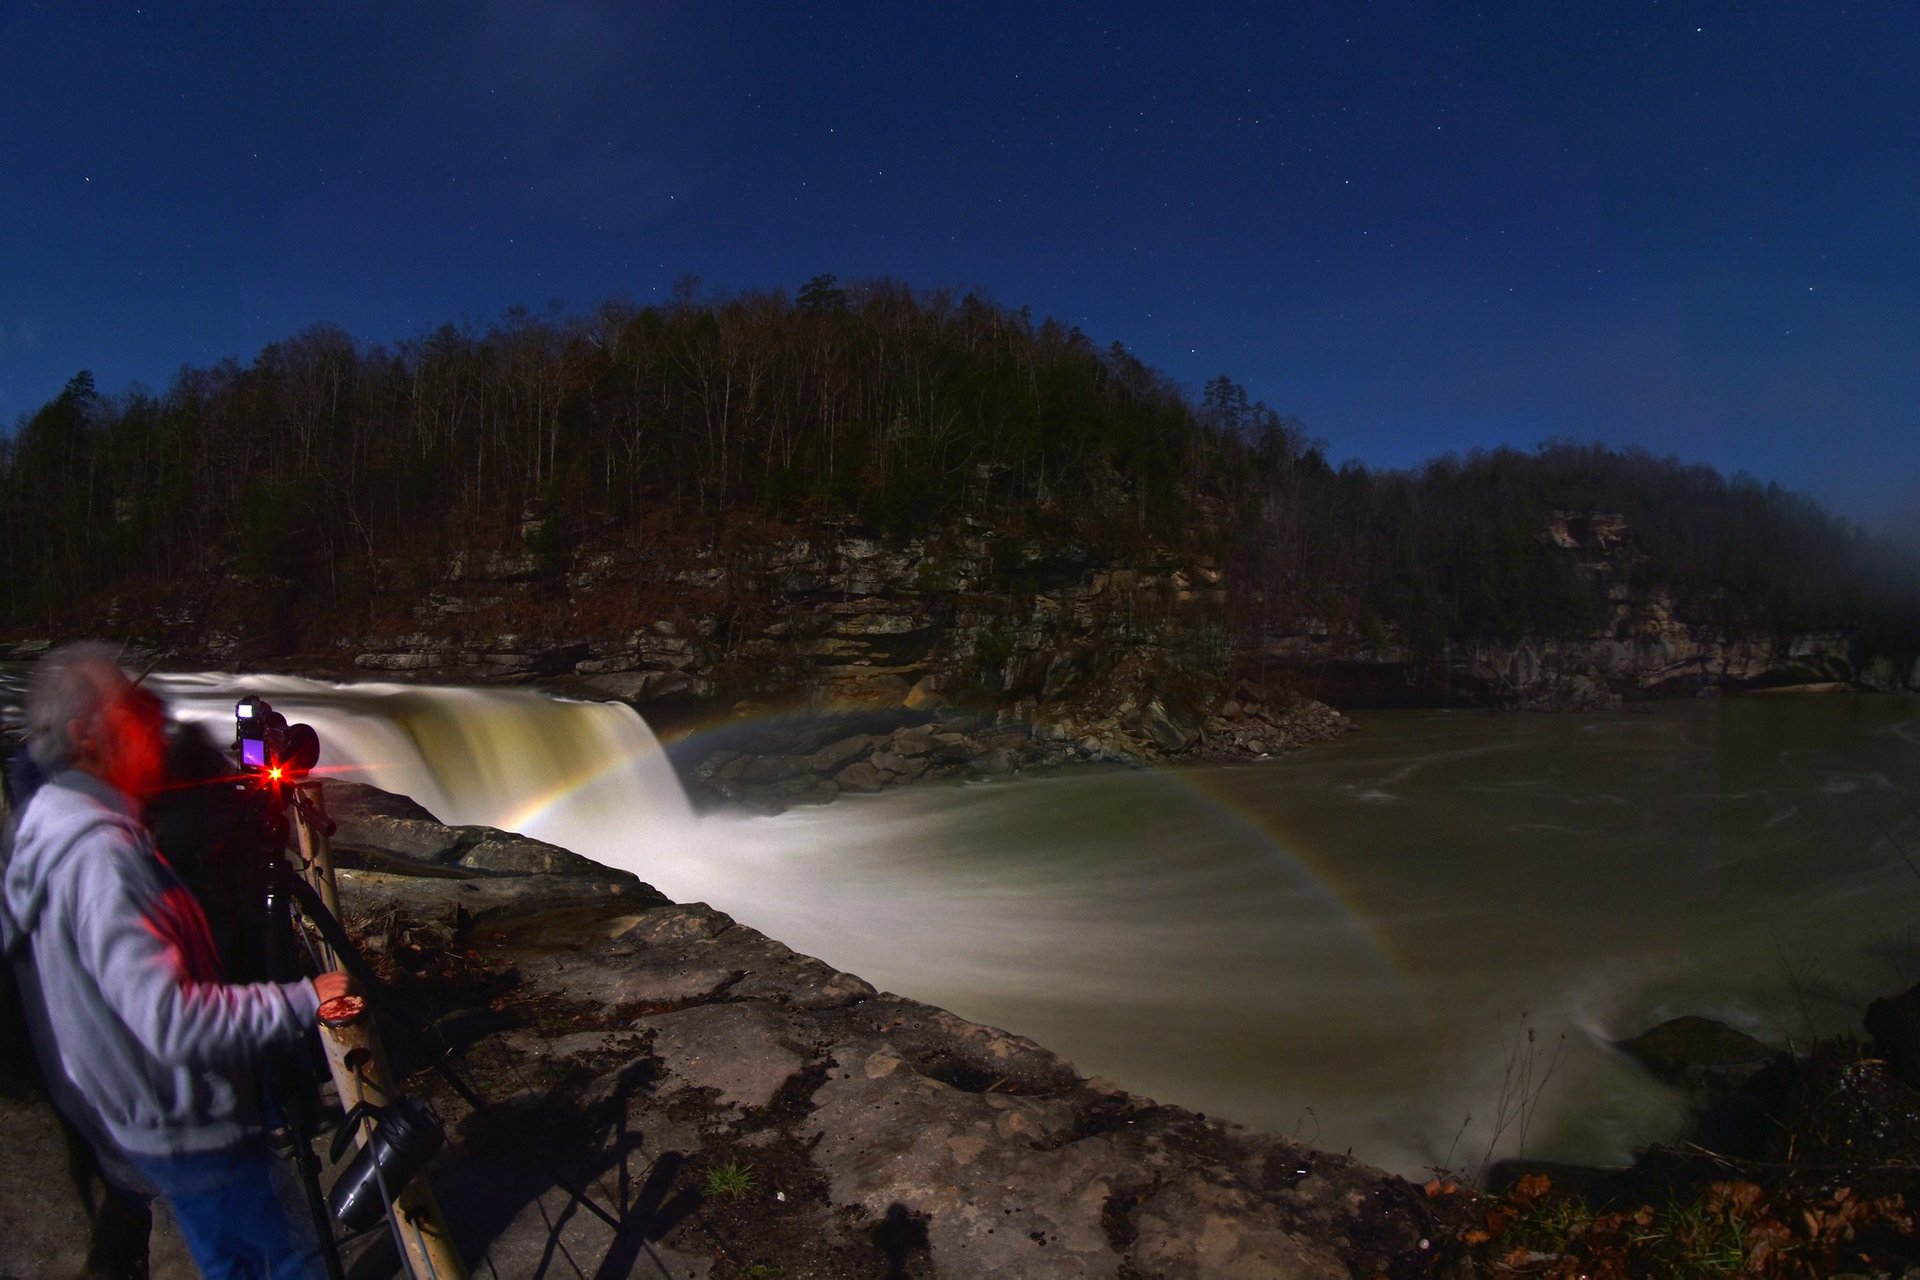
x: 303, y: 905
x: 359, y: 1066
x: 355, y: 1058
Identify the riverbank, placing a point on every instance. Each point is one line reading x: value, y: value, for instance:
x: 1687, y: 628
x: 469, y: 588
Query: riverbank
x: 744, y: 1110
x: 1796, y: 1163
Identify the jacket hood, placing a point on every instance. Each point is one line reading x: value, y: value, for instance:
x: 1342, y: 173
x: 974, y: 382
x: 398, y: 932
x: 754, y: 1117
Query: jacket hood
x: 66, y: 807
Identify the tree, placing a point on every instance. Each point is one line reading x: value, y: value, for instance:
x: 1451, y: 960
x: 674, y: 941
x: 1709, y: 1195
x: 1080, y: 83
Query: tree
x: 1225, y: 404
x: 820, y: 296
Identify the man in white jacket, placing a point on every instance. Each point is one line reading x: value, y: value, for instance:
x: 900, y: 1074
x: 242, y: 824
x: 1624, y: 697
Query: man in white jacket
x: 141, y: 1024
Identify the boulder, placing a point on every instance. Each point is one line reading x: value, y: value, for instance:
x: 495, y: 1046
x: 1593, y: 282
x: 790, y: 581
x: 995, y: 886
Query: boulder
x: 859, y: 777
x: 835, y: 756
x: 519, y: 855
x: 1894, y: 1024
x: 1709, y: 1058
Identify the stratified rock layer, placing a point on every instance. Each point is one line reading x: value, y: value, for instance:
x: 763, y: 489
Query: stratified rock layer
x: 1136, y: 651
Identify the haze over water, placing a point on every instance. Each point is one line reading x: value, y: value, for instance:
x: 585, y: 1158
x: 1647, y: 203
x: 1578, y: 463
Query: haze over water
x: 1348, y: 945
x: 1342, y: 945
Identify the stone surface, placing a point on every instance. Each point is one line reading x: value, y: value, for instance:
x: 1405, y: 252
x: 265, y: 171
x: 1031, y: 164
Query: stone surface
x: 43, y: 1226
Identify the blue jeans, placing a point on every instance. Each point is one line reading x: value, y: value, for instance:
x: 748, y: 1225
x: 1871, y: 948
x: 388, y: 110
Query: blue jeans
x: 231, y: 1213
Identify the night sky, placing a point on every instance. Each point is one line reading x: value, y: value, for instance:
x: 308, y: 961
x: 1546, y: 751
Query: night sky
x: 1420, y: 228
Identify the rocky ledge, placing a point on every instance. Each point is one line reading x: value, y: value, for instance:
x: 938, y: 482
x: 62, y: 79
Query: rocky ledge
x: 740, y: 1109
x: 776, y: 1113
x: 769, y: 765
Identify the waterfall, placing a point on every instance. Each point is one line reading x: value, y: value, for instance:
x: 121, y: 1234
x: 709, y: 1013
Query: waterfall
x: 588, y: 776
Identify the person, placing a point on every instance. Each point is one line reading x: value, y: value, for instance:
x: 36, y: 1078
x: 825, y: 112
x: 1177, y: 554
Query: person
x: 135, y: 1016
x: 117, y: 1201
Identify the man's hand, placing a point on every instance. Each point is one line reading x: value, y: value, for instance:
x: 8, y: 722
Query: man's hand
x: 331, y: 986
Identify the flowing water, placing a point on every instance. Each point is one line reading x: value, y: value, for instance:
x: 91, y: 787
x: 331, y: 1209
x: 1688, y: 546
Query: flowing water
x: 1369, y: 945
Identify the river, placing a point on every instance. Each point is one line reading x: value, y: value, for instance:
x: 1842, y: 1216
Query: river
x: 1417, y: 943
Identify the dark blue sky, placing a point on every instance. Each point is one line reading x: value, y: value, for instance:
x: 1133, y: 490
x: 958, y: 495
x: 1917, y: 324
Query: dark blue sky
x: 1420, y: 228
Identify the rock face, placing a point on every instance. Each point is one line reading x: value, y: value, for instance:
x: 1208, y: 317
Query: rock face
x: 1645, y: 646
x: 1657, y: 656
x: 1131, y: 652
x: 623, y: 1034
x: 1059, y: 635
x: 1034, y: 653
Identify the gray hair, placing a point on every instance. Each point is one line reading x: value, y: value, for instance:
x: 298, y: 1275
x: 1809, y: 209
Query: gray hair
x: 74, y: 682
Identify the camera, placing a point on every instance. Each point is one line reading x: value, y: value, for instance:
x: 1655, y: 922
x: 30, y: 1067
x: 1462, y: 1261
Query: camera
x: 271, y: 747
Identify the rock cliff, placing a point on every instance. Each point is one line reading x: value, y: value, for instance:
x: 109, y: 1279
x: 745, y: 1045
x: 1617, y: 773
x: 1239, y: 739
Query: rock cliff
x: 1646, y: 645
x: 1122, y: 653
x: 1129, y: 653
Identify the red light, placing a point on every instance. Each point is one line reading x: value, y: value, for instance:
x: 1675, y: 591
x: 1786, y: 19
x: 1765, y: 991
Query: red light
x: 273, y: 774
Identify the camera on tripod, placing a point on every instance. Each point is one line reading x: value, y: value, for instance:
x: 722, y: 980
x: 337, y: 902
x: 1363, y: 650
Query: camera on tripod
x: 269, y: 746
x: 400, y: 1135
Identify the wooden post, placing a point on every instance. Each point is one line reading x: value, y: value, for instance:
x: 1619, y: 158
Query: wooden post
x: 316, y: 853
x: 359, y: 1065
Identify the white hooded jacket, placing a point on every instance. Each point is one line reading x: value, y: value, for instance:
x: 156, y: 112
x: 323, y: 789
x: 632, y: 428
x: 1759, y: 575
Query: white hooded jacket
x: 128, y: 980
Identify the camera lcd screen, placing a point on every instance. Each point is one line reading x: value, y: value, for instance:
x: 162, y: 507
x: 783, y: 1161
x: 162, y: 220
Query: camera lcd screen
x: 253, y: 753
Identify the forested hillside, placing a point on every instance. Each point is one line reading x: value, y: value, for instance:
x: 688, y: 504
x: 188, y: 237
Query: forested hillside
x: 340, y: 471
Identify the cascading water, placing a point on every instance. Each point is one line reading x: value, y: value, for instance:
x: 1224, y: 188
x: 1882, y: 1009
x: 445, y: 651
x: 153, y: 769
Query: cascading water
x: 1351, y: 945
x: 588, y: 776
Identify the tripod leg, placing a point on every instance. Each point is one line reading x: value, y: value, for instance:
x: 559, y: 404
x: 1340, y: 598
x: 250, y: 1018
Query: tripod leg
x: 308, y: 1165
x: 294, y: 1094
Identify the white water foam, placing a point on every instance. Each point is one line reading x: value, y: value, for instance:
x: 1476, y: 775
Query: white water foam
x: 588, y: 776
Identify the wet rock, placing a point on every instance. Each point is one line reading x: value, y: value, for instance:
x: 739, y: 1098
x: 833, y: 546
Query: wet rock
x: 889, y: 765
x: 1699, y: 1054
x: 995, y: 762
x: 368, y: 820
x: 462, y: 902
x: 860, y: 777
x: 1894, y: 1024
x: 1155, y: 724
x: 497, y: 851
x: 397, y: 661
x: 834, y: 756
x: 349, y: 802
x: 412, y: 838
